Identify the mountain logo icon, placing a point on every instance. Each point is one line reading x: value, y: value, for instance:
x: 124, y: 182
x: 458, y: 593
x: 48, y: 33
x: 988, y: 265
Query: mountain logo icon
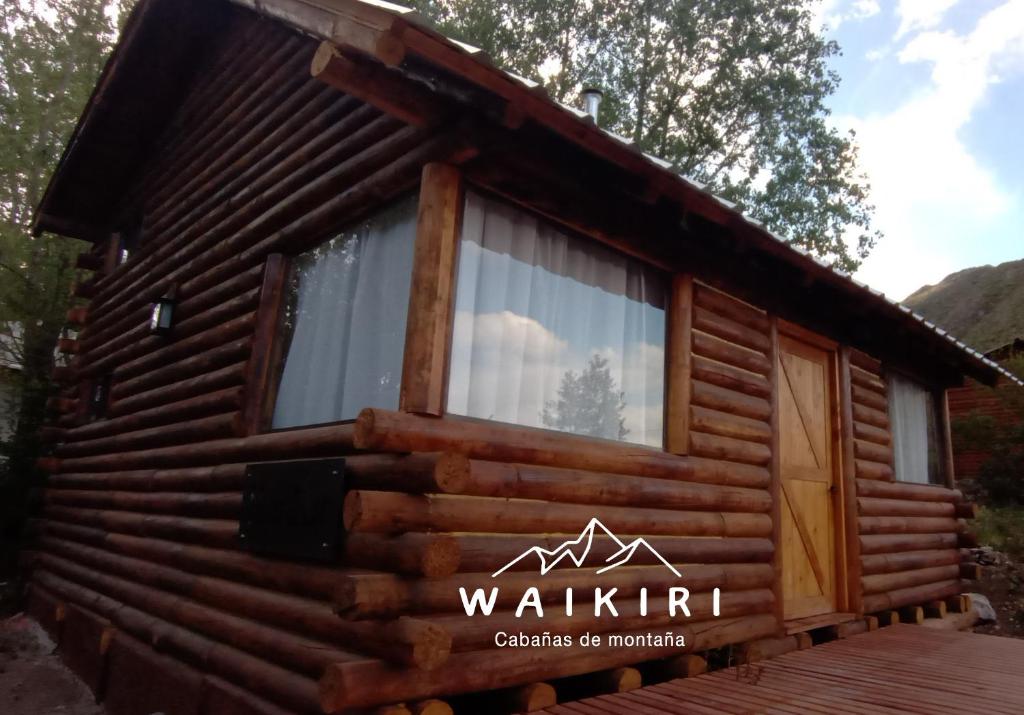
x: 577, y: 550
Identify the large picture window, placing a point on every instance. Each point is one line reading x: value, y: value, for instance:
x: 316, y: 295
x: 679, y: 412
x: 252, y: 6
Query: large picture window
x: 343, y: 321
x: 555, y: 331
x: 916, y: 441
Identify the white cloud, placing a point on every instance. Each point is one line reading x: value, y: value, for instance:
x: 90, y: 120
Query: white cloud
x: 921, y: 14
x: 829, y: 14
x: 926, y: 184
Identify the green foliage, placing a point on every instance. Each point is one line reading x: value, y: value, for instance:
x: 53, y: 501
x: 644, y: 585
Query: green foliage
x: 589, y: 403
x: 51, y: 53
x: 1002, y: 528
x: 731, y: 91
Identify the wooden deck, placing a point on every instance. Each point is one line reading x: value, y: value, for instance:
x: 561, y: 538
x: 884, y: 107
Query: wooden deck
x: 900, y: 669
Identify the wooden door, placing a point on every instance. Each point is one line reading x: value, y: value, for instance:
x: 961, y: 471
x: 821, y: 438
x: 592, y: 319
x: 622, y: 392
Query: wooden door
x: 807, y: 477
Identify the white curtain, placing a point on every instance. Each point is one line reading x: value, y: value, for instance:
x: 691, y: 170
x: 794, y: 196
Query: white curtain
x: 346, y: 314
x: 912, y: 416
x: 555, y: 331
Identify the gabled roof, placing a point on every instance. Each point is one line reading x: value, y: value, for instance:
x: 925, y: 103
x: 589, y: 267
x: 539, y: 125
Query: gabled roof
x: 391, y: 32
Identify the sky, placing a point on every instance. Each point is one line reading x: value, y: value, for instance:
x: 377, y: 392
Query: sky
x: 935, y: 92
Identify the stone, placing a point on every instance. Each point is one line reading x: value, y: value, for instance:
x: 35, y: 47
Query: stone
x: 982, y: 606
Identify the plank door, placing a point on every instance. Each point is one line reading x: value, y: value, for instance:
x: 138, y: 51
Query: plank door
x: 807, y: 478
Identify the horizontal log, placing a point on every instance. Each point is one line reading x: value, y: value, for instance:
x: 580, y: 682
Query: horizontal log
x: 176, y: 373
x: 376, y: 595
x: 891, y: 543
x: 478, y: 632
x: 729, y: 377
x: 273, y: 682
x: 387, y: 431
x: 387, y: 512
x: 289, y: 650
x: 226, y: 505
x: 220, y: 478
x: 447, y: 473
x: 869, y: 433
x: 908, y: 491
x: 871, y: 452
x: 152, y: 402
x: 345, y: 685
x: 524, y: 481
x: 729, y: 307
x: 727, y: 425
x: 865, y: 362
x: 873, y: 506
x: 724, y: 400
x: 325, y: 441
x: 404, y: 641
x: 726, y: 329
x: 964, y: 510
x: 906, y: 525
x: 867, y: 380
x: 61, y: 404
x: 210, y: 338
x: 871, y: 416
x: 717, y: 349
x: 885, y: 582
x: 215, y: 532
x: 729, y: 449
x: 909, y: 560
x: 873, y: 470
x: 428, y: 555
x: 490, y: 552
x: 198, y: 429
x: 869, y: 398
x: 64, y: 374
x: 913, y: 595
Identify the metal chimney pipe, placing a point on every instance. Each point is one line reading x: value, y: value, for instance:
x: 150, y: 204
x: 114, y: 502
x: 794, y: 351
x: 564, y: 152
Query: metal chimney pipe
x: 592, y: 101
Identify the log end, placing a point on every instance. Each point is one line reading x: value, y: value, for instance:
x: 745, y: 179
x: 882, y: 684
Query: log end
x: 452, y: 473
x: 430, y: 645
x: 364, y: 427
x: 322, y: 58
x: 535, y: 696
x: 622, y: 680
x: 432, y: 707
x: 440, y: 558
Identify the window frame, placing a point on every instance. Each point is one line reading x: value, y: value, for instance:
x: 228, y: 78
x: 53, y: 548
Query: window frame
x: 943, y: 447
x: 677, y: 336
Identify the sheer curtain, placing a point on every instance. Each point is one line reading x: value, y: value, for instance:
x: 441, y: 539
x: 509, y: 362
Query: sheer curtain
x: 344, y: 321
x: 913, y: 420
x: 555, y: 331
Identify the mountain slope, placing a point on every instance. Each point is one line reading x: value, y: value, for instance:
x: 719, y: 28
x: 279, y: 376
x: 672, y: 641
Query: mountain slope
x: 983, y: 306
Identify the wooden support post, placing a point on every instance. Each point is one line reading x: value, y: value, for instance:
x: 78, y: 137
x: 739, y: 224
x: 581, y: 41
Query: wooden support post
x: 532, y: 697
x: 971, y: 572
x: 935, y: 609
x: 775, y: 471
x: 260, y: 391
x: 850, y: 628
x: 682, y: 666
x: 872, y: 622
x: 431, y: 707
x: 912, y: 614
x: 888, y: 618
x: 852, y: 587
x: 680, y: 343
x: 620, y: 680
x: 803, y: 640
x: 968, y: 604
x: 432, y: 295
x: 947, y: 441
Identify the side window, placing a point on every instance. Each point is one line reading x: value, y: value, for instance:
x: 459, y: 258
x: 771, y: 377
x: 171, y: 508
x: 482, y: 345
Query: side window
x: 343, y: 321
x: 555, y: 331
x: 916, y: 434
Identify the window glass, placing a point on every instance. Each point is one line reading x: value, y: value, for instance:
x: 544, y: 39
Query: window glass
x: 343, y: 321
x: 555, y: 331
x: 913, y: 415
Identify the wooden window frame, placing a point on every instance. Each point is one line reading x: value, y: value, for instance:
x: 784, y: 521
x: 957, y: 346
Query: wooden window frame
x: 943, y: 433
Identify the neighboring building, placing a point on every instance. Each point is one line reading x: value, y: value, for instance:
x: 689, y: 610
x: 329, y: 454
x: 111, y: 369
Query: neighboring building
x: 10, y: 367
x: 978, y: 407
x: 370, y: 243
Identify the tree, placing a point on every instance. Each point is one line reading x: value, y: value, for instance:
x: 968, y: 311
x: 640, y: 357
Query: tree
x: 731, y: 91
x: 589, y: 403
x: 51, y: 53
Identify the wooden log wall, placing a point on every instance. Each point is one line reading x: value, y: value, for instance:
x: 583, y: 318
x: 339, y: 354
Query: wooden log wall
x: 138, y: 535
x: 909, y: 535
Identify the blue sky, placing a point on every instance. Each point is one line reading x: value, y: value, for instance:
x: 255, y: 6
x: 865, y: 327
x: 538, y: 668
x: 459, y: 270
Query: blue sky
x: 935, y: 91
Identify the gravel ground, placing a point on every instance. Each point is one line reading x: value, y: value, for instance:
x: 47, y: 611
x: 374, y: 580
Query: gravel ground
x: 33, y: 681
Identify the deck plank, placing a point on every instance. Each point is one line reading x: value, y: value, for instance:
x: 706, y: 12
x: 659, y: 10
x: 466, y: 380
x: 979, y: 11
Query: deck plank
x: 899, y: 669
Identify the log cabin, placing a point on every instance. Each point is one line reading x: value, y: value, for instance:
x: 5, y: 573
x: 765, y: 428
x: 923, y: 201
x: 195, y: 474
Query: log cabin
x: 370, y: 318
